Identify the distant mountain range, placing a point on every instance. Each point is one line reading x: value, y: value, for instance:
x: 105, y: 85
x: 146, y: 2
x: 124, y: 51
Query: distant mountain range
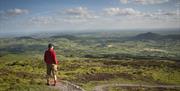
x: 155, y: 36
x: 142, y: 36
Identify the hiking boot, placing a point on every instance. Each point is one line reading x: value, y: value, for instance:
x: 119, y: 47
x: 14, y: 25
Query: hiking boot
x: 54, y: 83
x: 48, y: 84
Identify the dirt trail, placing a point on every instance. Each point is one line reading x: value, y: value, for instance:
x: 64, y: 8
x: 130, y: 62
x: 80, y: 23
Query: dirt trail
x: 67, y: 86
x: 100, y: 87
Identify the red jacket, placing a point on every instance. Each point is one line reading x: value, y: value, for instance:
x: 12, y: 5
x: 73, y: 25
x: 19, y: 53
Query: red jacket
x: 50, y: 57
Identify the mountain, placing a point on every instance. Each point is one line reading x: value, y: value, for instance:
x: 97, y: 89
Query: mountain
x: 155, y: 36
x: 147, y: 36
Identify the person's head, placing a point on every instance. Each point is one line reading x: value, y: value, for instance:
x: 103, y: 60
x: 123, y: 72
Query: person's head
x: 50, y: 46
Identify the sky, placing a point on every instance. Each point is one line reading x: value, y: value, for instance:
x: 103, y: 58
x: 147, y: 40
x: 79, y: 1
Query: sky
x: 86, y: 15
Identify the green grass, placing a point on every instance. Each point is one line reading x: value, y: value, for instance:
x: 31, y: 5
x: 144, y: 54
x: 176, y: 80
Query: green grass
x: 29, y: 71
x: 92, y: 72
x: 139, y: 89
x: 22, y: 87
x: 88, y: 61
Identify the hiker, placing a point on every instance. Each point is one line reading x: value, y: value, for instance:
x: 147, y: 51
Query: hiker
x: 51, y: 61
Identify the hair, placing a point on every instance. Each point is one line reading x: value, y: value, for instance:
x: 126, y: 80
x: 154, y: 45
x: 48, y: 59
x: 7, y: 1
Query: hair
x: 50, y: 45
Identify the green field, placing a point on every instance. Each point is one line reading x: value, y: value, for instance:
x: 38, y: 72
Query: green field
x: 91, y: 59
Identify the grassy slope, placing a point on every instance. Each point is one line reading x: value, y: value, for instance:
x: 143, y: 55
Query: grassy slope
x: 28, y: 72
x: 91, y: 73
x: 22, y: 73
x: 23, y: 68
x: 140, y: 89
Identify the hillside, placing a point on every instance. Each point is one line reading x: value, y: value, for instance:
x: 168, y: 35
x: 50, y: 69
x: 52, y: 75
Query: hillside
x: 155, y: 36
x: 89, y: 61
x: 148, y: 35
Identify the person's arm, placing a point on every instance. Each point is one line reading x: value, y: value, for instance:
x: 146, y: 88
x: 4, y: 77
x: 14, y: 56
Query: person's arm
x: 54, y: 57
x: 45, y: 56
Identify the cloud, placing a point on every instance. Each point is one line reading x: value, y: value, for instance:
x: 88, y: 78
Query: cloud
x: 79, y: 12
x: 132, y: 18
x: 14, y: 12
x: 76, y: 15
x: 41, y: 20
x: 68, y: 16
x: 11, y: 13
x: 107, y: 18
x: 122, y: 12
x: 170, y: 13
x: 160, y: 14
x: 124, y: 1
x: 144, y: 2
x: 132, y: 13
x: 150, y: 1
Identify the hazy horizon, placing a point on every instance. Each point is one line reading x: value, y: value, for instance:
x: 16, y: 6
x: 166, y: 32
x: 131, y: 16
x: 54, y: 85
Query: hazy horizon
x: 65, y: 32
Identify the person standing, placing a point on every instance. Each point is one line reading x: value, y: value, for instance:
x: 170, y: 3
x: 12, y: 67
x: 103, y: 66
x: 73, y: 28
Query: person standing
x: 51, y: 62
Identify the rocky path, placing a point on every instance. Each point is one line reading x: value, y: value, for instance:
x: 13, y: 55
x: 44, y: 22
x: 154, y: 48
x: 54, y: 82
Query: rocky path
x: 100, y: 87
x: 67, y: 86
